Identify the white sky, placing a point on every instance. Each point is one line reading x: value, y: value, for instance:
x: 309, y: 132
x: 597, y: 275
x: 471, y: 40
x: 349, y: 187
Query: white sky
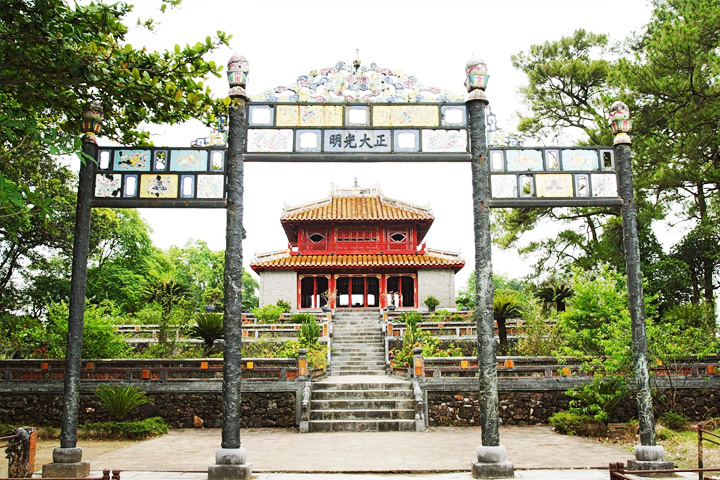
x: 431, y: 40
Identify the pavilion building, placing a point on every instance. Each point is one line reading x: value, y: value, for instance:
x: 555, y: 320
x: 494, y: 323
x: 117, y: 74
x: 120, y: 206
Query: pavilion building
x: 357, y: 249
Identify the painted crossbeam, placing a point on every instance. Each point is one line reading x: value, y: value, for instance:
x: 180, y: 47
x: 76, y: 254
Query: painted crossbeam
x: 553, y: 177
x: 356, y: 132
x: 137, y: 177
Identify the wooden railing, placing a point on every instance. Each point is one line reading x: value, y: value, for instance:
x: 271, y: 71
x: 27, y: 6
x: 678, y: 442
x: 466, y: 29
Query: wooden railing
x: 539, y: 367
x: 150, y: 370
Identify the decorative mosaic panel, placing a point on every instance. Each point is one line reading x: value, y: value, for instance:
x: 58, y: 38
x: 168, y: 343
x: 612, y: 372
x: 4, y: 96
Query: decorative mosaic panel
x: 158, y: 186
x: 267, y: 140
x: 553, y: 176
x: 132, y: 160
x: 405, y: 116
x: 189, y: 161
x: 108, y: 186
x: 444, y: 141
x: 159, y: 177
x: 276, y: 130
x: 309, y: 116
x: 344, y: 82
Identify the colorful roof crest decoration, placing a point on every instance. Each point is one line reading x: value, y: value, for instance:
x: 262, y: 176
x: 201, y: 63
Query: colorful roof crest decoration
x: 371, y: 84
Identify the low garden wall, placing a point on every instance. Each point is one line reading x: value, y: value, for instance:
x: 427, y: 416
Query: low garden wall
x: 457, y: 403
x: 179, y: 405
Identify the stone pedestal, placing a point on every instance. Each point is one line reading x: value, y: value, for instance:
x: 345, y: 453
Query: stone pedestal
x: 230, y: 465
x: 67, y: 463
x: 649, y: 458
x: 492, y: 463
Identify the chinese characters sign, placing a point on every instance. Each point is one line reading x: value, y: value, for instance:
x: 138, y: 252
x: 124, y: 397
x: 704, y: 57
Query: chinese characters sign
x: 533, y: 177
x: 159, y: 177
x: 435, y: 132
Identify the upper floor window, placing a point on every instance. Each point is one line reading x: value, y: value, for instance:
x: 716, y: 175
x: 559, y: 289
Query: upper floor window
x: 398, y: 237
x: 316, y: 237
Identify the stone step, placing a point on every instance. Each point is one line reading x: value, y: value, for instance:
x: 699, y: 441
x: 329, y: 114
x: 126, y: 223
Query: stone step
x: 362, y: 414
x: 353, y: 372
x: 362, y: 425
x: 363, y: 403
x: 359, y: 349
x: 358, y: 395
x: 361, y: 387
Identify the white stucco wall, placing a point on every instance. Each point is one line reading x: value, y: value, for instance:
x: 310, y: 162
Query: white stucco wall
x: 440, y: 283
x: 278, y: 285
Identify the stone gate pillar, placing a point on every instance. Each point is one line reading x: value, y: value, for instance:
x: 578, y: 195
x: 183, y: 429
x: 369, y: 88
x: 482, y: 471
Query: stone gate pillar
x: 67, y: 459
x: 230, y: 458
x: 648, y: 455
x: 491, y: 459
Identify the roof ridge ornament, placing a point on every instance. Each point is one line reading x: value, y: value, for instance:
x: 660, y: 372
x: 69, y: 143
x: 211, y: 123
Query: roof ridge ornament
x: 368, y: 84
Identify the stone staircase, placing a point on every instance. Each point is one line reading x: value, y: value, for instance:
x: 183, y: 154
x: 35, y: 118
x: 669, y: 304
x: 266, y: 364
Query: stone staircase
x: 357, y: 346
x: 358, y: 396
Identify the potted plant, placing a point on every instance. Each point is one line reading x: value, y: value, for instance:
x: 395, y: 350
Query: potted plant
x: 431, y: 302
x: 329, y: 298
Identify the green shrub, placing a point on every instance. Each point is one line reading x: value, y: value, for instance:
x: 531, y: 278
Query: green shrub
x: 150, y: 427
x: 309, y: 331
x: 209, y: 327
x: 599, y: 398
x: 268, y: 313
x: 410, y: 318
x: 674, y: 421
x: 302, y: 317
x: 286, y: 307
x: 441, y: 315
x: 569, y: 423
x: 120, y: 400
x: 100, y: 340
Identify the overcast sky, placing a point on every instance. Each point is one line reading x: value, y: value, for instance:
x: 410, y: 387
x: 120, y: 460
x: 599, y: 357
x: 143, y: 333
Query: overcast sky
x: 431, y: 40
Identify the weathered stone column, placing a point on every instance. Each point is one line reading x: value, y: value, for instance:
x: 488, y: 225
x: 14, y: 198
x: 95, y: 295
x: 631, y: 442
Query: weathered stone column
x: 67, y: 459
x: 491, y: 461
x: 648, y: 455
x: 230, y: 458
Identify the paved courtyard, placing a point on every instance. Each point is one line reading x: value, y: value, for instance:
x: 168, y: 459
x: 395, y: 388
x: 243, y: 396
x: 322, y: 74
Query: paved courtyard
x: 274, y: 451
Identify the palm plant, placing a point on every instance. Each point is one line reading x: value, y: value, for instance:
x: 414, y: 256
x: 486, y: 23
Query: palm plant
x: 506, y: 304
x: 120, y: 400
x: 555, y: 294
x: 209, y: 327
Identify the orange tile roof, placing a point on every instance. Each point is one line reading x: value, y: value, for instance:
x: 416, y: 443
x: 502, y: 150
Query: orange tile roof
x: 294, y: 262
x: 373, y: 207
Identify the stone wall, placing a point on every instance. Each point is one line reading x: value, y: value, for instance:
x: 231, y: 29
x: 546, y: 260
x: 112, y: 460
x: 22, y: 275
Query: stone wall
x: 278, y: 285
x: 275, y: 409
x: 440, y: 283
x: 461, y: 409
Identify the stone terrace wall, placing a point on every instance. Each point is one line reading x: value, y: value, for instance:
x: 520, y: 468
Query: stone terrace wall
x: 259, y: 409
x: 461, y: 409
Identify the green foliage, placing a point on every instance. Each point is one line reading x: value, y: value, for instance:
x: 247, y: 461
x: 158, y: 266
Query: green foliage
x: 317, y: 352
x: 209, y: 327
x: 431, y: 302
x: 599, y: 398
x: 538, y: 336
x: 100, y: 340
x: 120, y: 400
x: 674, y: 420
x: 309, y: 329
x: 403, y: 357
x: 18, y: 335
x: 268, y: 313
x: 284, y: 305
x: 507, y: 304
x: 596, y: 321
x: 569, y: 423
x: 441, y: 315
x: 139, y: 430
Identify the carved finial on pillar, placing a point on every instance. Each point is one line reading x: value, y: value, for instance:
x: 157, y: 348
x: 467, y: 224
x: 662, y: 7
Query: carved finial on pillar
x: 477, y: 78
x: 92, y: 116
x: 620, y: 123
x: 237, y: 72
